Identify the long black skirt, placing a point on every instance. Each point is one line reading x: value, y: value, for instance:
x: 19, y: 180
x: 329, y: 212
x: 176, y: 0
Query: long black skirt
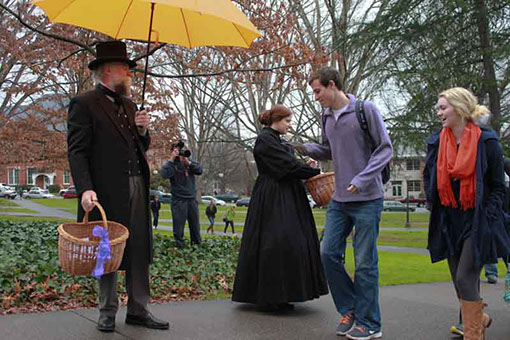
x: 279, y: 259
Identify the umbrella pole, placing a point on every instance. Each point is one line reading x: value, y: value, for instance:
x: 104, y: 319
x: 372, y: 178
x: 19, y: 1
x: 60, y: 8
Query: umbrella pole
x: 147, y: 57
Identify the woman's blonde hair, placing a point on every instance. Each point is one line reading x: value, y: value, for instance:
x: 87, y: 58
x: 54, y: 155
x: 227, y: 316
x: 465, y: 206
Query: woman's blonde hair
x: 464, y: 103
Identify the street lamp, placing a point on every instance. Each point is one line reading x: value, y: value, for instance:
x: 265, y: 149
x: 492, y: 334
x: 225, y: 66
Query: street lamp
x: 408, y: 224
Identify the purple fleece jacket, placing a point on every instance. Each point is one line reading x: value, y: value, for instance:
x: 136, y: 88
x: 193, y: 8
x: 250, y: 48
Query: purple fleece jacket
x: 353, y: 160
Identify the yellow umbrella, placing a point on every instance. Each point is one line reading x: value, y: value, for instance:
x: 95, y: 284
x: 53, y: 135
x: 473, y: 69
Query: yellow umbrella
x: 187, y: 23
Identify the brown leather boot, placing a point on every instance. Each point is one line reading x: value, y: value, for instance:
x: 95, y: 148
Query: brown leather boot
x: 474, y: 319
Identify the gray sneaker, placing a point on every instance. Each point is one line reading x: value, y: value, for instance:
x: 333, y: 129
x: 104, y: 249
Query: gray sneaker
x: 345, y: 325
x: 362, y: 333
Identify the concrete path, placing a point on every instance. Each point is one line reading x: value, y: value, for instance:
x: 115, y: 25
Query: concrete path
x: 409, y: 312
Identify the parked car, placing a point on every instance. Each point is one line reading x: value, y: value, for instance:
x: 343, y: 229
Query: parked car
x: 311, y: 201
x: 154, y: 192
x: 228, y: 197
x: 61, y: 192
x: 396, y: 206
x: 243, y: 202
x: 36, y: 192
x: 208, y: 199
x: 70, y: 192
x: 7, y: 192
x: 420, y: 202
x: 165, y: 198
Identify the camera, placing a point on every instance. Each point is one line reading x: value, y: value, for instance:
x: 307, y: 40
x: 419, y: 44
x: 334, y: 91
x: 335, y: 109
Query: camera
x: 182, y: 150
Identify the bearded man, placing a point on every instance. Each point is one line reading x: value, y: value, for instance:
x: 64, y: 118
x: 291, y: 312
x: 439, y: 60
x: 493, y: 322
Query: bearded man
x: 107, y: 140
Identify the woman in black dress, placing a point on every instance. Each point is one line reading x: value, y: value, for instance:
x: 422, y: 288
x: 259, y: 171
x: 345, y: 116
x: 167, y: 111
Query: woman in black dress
x: 279, y: 260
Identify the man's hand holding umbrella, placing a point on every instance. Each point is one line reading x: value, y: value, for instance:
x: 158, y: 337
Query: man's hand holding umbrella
x: 142, y: 120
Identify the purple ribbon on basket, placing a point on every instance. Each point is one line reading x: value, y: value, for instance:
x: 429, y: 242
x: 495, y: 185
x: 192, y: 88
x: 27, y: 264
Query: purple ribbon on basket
x: 103, y: 250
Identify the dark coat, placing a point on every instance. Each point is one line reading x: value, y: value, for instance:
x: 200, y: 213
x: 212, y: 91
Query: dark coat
x: 488, y: 235
x: 211, y: 211
x: 98, y: 152
x: 279, y: 259
x: 155, y: 206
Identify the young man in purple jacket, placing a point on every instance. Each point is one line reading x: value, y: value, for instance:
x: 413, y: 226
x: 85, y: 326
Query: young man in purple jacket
x: 356, y: 202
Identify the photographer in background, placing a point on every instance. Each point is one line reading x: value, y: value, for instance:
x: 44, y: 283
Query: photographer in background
x: 181, y: 173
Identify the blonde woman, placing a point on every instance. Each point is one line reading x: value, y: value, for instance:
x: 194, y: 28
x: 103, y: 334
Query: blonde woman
x: 464, y: 183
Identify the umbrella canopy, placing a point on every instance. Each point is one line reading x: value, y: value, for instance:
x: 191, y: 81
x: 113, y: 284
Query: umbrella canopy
x: 187, y: 23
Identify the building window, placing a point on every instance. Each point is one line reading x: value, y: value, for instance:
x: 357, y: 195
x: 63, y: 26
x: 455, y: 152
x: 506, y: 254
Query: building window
x: 414, y: 185
x: 413, y: 164
x: 67, y: 179
x: 14, y: 176
x: 396, y: 187
x: 30, y: 178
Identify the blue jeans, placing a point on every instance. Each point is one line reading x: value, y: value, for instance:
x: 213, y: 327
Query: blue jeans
x: 211, y: 220
x: 491, y: 269
x: 360, y: 297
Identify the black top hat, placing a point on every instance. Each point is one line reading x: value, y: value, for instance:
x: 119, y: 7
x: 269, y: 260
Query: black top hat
x: 110, y: 51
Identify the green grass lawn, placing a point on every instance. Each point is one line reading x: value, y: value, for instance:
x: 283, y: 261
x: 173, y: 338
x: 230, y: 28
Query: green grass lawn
x: 398, y: 219
x: 69, y: 205
x: 395, y: 268
x: 389, y: 219
x: 33, y: 218
x: 405, y: 238
x: 7, y: 203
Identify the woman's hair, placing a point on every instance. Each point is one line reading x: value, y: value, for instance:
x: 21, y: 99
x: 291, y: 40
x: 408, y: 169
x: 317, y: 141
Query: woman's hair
x: 275, y: 114
x: 464, y: 103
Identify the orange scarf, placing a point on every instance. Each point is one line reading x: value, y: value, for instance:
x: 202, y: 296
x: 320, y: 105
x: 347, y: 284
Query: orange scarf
x: 458, y: 164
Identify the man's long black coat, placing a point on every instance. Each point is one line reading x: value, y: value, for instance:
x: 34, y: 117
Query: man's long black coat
x: 98, y: 152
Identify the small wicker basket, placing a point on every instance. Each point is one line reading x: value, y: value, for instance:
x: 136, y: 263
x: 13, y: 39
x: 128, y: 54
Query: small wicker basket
x: 321, y: 187
x: 77, y: 247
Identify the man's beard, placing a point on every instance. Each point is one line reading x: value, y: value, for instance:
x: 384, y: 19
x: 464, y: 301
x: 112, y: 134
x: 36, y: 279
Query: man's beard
x: 123, y: 87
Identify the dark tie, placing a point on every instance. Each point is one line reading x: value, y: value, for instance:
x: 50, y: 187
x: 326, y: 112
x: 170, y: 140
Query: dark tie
x: 117, y: 98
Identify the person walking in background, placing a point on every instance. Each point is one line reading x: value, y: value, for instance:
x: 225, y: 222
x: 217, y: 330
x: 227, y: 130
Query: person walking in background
x: 107, y: 139
x: 181, y: 172
x: 155, y: 206
x: 210, y: 212
x: 229, y: 219
x: 357, y: 202
x: 464, y: 184
x: 279, y: 260
x: 491, y: 269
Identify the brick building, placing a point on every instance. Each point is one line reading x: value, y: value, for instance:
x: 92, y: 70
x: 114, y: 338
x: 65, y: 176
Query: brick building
x: 34, y: 174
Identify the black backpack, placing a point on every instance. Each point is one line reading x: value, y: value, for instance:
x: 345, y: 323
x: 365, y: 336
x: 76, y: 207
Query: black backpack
x: 362, y: 120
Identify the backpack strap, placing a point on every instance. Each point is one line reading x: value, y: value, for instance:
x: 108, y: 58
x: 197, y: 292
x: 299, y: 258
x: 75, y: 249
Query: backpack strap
x: 323, y: 121
x: 360, y: 114
x: 362, y: 120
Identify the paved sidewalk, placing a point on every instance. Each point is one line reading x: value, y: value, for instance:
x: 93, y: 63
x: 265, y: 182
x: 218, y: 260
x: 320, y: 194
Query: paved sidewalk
x: 410, y: 312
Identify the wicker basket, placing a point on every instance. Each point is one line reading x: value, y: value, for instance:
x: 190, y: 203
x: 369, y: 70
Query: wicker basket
x: 77, y: 247
x: 321, y: 187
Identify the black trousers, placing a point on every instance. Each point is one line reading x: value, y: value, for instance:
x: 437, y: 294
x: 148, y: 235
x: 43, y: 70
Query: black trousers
x: 226, y: 226
x: 465, y: 274
x: 155, y: 216
x: 182, y: 210
x: 137, y: 272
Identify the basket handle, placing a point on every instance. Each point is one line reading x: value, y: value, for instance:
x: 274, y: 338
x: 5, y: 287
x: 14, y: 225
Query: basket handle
x: 101, y: 210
